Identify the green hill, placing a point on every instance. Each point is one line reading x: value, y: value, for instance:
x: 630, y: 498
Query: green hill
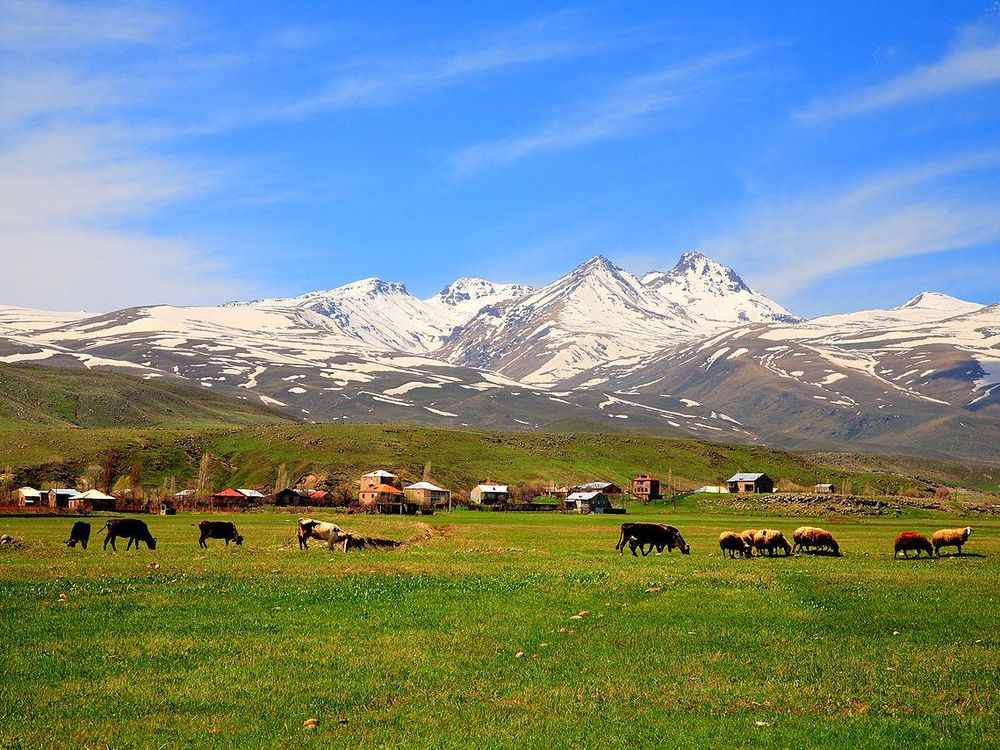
x: 34, y: 396
x: 339, y: 454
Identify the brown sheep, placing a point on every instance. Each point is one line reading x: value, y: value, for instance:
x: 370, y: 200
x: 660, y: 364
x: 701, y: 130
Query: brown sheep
x: 750, y: 537
x: 910, y: 540
x: 814, y: 539
x: 769, y: 540
x: 731, y: 542
x: 950, y: 538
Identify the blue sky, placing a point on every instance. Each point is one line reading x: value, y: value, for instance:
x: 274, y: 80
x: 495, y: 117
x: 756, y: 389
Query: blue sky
x: 838, y: 157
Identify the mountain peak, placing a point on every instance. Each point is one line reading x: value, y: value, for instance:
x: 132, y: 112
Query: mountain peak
x: 937, y: 301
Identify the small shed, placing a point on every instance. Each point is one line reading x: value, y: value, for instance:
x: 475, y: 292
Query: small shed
x: 29, y: 496
x: 715, y: 489
x: 646, y: 488
x: 428, y: 494
x: 750, y: 482
x: 824, y: 489
x: 489, y: 493
x: 588, y: 502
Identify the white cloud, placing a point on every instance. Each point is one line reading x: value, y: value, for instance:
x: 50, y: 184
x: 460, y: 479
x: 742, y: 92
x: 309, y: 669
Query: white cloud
x: 620, y: 114
x: 961, y: 69
x: 78, y: 173
x: 905, y: 213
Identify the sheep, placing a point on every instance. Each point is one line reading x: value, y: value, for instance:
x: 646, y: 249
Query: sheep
x: 750, y: 537
x: 910, y: 540
x: 771, y: 539
x: 950, y: 538
x: 731, y: 542
x: 815, y: 539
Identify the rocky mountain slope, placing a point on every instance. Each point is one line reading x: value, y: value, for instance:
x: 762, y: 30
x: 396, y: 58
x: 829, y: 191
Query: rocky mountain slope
x: 692, y: 350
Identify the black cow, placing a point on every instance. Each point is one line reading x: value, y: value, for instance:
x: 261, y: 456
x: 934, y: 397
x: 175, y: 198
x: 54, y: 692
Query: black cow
x: 131, y: 528
x: 642, y: 535
x: 218, y: 530
x: 79, y: 533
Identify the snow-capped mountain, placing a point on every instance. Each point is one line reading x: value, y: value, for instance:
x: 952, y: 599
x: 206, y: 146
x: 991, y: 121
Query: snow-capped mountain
x: 712, y: 291
x: 385, y: 314
x: 693, y: 350
x: 601, y: 313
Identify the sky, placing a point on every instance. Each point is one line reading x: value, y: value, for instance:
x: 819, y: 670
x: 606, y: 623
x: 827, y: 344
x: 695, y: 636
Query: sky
x: 838, y: 155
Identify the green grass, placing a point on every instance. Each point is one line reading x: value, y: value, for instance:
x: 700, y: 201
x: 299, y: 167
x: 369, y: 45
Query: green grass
x: 33, y: 396
x: 416, y: 647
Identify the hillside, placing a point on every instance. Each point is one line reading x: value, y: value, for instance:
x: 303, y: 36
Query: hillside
x: 339, y: 454
x: 34, y: 396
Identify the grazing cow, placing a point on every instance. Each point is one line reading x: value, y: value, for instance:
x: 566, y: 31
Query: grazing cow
x: 909, y: 541
x: 80, y: 533
x: 733, y: 543
x: 218, y: 530
x: 131, y: 528
x: 327, y: 532
x: 642, y: 535
x: 950, y: 538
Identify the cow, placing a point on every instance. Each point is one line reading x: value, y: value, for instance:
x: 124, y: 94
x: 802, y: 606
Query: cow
x: 642, y: 535
x: 80, y: 533
x: 218, y: 530
x: 131, y: 528
x: 324, y: 531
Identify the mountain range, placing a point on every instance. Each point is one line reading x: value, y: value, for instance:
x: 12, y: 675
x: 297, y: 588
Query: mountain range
x: 690, y: 350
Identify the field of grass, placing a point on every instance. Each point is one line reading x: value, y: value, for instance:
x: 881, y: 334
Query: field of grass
x: 418, y: 647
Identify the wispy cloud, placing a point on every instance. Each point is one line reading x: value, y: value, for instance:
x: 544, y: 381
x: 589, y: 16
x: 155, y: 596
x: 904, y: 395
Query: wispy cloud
x: 379, y: 82
x: 962, y: 69
x: 908, y: 212
x: 622, y: 113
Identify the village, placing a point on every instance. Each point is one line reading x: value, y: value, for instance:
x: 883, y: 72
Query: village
x: 384, y: 493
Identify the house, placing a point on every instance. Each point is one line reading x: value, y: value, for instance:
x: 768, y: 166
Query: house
x: 489, y: 493
x: 716, y: 489
x: 373, y: 479
x: 60, y: 497
x: 608, y: 488
x: 750, y: 482
x: 290, y: 496
x: 426, y: 493
x: 29, y: 496
x: 588, y: 502
x: 238, y: 497
x: 646, y: 488
x: 558, y: 492
x: 92, y: 500
x: 824, y: 489
x: 384, y: 498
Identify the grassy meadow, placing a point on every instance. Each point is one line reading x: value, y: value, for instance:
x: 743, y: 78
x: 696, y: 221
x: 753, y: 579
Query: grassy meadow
x: 465, y: 638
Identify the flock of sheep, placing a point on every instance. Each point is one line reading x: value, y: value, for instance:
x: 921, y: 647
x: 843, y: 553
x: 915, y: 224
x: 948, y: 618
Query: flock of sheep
x: 814, y: 539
